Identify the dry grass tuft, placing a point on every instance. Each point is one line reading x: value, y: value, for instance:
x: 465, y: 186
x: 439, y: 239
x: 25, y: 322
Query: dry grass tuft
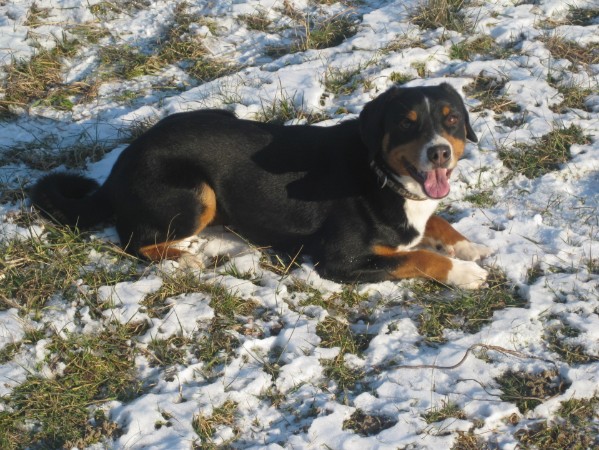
x: 448, y: 14
x: 547, y: 154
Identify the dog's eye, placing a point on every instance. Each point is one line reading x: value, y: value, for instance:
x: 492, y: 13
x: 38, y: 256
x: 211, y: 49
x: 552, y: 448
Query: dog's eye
x: 406, y: 123
x: 452, y: 120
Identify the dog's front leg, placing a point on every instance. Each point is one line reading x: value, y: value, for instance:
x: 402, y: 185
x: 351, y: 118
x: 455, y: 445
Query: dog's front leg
x: 431, y: 265
x: 441, y: 236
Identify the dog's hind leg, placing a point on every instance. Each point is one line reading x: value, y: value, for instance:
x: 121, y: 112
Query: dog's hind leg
x: 192, y: 213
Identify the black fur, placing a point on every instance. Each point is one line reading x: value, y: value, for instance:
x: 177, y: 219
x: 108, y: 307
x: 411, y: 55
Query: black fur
x: 287, y: 187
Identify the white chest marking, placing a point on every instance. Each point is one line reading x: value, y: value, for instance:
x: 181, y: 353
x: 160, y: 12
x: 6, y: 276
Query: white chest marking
x: 418, y: 213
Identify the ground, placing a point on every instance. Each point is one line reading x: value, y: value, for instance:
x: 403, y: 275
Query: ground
x: 99, y: 350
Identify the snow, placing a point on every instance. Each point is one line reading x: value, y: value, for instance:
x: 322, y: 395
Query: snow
x: 550, y: 221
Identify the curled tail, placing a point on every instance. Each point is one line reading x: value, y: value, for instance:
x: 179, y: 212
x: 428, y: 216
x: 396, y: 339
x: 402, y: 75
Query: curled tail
x: 71, y: 199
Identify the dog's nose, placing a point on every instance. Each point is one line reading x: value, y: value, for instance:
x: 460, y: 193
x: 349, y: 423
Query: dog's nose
x: 439, y: 155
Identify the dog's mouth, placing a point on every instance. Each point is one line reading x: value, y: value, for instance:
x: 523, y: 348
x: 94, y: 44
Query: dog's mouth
x: 435, y: 183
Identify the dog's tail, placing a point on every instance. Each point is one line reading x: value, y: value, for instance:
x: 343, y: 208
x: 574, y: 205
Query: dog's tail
x: 71, y: 199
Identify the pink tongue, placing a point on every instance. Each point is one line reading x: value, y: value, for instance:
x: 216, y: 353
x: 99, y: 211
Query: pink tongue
x: 436, y: 184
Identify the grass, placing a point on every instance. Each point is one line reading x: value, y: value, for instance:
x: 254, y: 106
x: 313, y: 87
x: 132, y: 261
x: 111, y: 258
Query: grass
x: 575, y: 427
x: 39, y: 78
x: 315, y: 31
x: 400, y: 78
x: 220, y: 338
x: 561, y: 48
x: 179, y: 46
x: 481, y: 199
x: 467, y: 311
x: 574, y: 98
x: 173, y: 285
x: 92, y: 369
x: 367, y: 424
x: 561, y: 339
x: 168, y: 352
x: 488, y: 91
x: 283, y: 109
x: 470, y: 441
x: 400, y: 44
x: 36, y: 16
x: 528, y: 390
x: 90, y: 32
x: 420, y: 67
x: 35, y: 269
x: 582, y: 16
x: 339, y: 81
x: 257, y: 21
x: 345, y: 377
x: 125, y: 62
x: 327, y: 33
x: 9, y: 351
x: 47, y: 154
x: 547, y: 154
x: 466, y: 50
x: 109, y: 10
x: 206, y: 425
x: 445, y: 411
x: 447, y: 14
x: 55, y: 412
x: 334, y: 333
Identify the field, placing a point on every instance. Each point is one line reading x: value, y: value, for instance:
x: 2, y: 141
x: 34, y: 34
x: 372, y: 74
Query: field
x: 256, y: 351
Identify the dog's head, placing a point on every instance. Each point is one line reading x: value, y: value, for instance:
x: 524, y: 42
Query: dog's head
x: 419, y: 133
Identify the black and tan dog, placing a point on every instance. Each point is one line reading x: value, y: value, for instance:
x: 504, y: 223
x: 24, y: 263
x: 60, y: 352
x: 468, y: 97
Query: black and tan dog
x: 358, y: 197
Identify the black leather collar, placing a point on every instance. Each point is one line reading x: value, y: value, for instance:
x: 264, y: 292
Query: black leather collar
x: 387, y: 179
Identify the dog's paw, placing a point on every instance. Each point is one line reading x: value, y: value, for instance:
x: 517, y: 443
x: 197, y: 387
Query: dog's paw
x: 466, y: 274
x: 190, y: 262
x: 469, y: 251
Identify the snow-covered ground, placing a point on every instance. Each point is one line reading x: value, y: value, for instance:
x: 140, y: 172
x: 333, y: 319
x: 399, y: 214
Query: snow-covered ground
x: 547, y: 225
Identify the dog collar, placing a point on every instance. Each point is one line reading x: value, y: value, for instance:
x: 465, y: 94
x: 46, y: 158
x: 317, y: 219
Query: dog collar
x: 387, y: 179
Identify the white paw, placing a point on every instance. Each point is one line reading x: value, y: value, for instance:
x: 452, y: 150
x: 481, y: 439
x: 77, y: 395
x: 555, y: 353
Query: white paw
x: 469, y: 251
x: 190, y: 262
x: 466, y: 274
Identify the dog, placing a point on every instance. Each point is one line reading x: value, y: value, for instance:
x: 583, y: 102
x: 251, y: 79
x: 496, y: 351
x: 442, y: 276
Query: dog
x: 359, y: 197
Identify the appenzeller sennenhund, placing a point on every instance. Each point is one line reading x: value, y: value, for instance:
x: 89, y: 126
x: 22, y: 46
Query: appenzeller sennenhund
x: 358, y: 197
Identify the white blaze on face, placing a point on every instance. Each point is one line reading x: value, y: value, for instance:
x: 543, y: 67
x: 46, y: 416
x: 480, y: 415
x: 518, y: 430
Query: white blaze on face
x: 437, y: 139
x: 436, y: 181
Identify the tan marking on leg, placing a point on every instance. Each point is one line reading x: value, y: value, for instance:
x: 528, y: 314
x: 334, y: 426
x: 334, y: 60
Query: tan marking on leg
x: 207, y: 199
x: 440, y: 230
x: 165, y: 250
x: 442, y: 237
x: 417, y: 263
x: 423, y: 264
x: 384, y: 250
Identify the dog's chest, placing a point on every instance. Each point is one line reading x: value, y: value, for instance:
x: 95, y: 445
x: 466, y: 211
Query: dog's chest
x: 417, y: 214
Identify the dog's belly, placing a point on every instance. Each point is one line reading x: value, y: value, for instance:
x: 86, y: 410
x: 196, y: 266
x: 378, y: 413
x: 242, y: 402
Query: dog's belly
x: 280, y: 223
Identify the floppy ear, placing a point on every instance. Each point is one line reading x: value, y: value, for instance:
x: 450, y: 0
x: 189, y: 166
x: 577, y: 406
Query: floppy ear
x: 372, y: 127
x: 470, y: 135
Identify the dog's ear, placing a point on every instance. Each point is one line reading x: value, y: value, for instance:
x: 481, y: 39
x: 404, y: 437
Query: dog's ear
x: 372, y: 128
x: 470, y: 134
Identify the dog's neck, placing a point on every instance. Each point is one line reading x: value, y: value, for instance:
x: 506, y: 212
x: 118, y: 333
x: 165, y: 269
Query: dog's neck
x: 388, y: 179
